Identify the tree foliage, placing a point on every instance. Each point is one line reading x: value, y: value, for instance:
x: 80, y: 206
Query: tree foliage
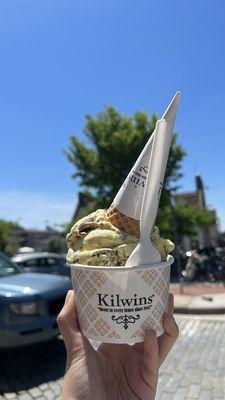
x: 54, y: 244
x: 182, y: 218
x: 112, y: 143
x: 8, y: 241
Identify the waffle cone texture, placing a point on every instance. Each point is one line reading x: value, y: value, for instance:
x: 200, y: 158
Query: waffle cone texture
x: 122, y: 221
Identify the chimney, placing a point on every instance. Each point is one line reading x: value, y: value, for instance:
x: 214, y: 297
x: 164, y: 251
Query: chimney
x: 200, y: 191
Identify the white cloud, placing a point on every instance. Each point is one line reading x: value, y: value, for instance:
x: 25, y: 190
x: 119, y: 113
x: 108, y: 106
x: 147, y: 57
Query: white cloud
x: 35, y: 210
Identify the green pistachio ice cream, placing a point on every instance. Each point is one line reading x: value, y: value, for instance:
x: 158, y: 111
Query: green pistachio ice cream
x: 95, y: 241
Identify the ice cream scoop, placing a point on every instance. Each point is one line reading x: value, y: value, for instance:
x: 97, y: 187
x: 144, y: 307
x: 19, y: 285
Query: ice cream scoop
x: 93, y: 240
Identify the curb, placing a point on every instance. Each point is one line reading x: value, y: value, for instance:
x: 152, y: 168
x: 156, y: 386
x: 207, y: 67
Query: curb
x: 206, y: 304
x: 206, y: 311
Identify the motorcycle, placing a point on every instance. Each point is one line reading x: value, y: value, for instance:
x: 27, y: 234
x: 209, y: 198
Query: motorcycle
x: 195, y: 267
x: 205, y: 265
x: 219, y: 265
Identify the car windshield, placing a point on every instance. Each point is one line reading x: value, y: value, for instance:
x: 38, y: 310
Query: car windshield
x: 7, y: 267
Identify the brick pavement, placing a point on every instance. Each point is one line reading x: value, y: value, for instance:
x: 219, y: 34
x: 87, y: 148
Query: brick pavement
x: 195, y: 369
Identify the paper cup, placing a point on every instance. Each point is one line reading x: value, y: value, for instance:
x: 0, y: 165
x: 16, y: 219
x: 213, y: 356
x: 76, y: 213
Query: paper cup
x: 119, y: 304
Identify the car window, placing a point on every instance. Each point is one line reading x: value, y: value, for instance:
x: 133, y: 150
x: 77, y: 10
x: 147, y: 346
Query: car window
x: 6, y: 268
x: 52, y: 261
x: 35, y: 262
x: 30, y: 263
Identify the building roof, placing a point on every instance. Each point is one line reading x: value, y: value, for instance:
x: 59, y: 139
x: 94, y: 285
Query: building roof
x: 189, y: 197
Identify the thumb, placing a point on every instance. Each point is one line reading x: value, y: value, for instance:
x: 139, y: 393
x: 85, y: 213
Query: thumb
x: 68, y: 324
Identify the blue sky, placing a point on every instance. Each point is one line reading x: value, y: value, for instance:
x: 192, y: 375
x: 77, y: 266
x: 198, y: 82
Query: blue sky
x: 63, y: 59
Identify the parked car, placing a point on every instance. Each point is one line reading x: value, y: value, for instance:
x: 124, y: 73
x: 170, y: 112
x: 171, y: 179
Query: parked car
x: 43, y: 262
x: 29, y: 304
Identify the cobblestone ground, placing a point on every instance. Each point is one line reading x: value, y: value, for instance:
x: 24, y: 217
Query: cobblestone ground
x: 195, y: 368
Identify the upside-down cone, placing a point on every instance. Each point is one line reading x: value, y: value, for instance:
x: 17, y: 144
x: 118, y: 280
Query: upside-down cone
x: 125, y: 210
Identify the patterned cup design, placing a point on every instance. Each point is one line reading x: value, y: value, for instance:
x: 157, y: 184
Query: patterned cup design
x: 118, y: 305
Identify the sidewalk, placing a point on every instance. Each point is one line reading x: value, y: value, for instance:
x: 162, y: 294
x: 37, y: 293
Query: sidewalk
x: 199, y: 298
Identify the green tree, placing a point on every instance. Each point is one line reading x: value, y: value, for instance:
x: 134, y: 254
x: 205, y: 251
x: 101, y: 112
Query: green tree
x: 112, y: 142
x: 55, y: 244
x: 8, y: 241
x: 182, y: 218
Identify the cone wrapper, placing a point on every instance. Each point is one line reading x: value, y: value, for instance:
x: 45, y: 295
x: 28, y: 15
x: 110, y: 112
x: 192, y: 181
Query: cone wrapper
x: 119, y: 304
x: 125, y: 210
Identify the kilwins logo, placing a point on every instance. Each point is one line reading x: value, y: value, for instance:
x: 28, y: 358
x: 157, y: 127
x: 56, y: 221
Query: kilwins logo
x: 117, y: 301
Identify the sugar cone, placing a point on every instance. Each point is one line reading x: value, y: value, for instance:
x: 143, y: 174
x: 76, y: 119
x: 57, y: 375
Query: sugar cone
x: 125, y: 210
x: 122, y: 221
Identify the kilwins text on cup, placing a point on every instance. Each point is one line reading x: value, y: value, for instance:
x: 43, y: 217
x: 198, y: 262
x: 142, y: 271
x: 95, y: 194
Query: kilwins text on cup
x: 115, y: 300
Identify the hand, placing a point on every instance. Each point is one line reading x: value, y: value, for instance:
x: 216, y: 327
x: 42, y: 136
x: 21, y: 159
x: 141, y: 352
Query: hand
x: 113, y: 371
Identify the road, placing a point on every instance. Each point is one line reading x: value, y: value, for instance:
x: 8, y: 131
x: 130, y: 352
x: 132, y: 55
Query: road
x: 195, y: 369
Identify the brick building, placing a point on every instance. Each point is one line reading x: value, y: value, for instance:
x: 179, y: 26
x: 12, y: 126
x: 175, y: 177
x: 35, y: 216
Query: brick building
x: 38, y: 239
x: 205, y: 235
